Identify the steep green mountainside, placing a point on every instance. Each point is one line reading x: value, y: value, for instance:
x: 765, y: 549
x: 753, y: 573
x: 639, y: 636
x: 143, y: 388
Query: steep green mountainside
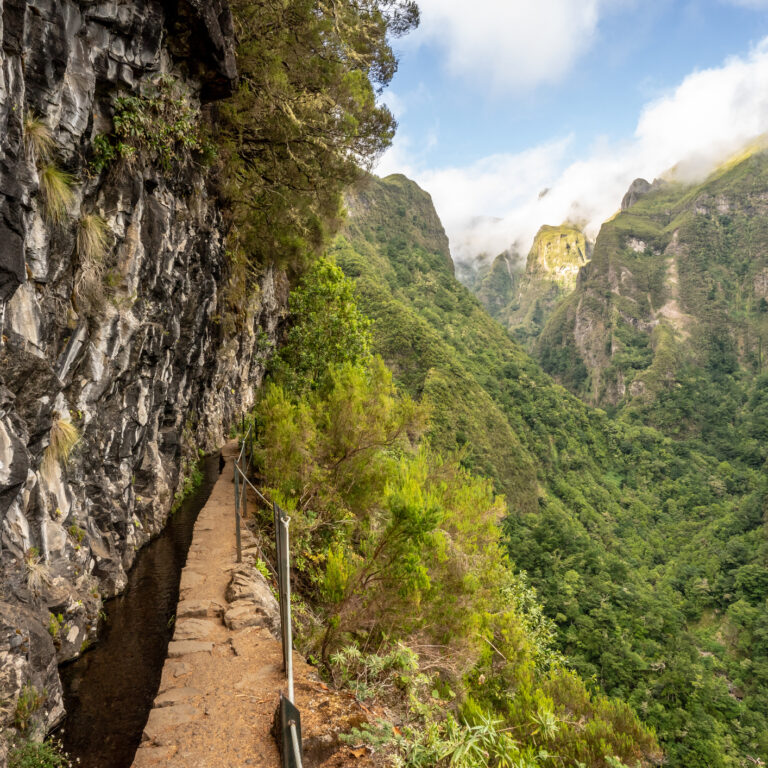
x: 523, y: 300
x: 648, y: 553
x: 669, y: 321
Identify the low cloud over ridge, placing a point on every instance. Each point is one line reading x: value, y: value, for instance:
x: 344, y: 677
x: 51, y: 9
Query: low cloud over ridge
x: 497, y: 202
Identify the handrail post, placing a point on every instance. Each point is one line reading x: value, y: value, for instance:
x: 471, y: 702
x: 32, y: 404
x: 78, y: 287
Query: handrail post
x: 237, y: 515
x: 244, y: 504
x: 286, y: 597
x: 290, y: 716
x: 280, y: 577
x: 295, y: 742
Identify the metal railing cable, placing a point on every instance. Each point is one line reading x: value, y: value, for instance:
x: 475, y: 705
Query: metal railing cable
x: 291, y: 721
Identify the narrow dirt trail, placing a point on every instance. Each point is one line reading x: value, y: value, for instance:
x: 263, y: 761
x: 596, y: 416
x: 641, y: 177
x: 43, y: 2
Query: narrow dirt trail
x: 220, y: 686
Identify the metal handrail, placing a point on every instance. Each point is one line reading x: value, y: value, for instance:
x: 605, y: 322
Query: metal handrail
x: 282, y: 573
x: 295, y: 742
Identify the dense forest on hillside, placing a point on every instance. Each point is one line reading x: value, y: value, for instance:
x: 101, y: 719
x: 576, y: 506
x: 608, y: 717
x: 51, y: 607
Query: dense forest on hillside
x: 647, y: 552
x: 406, y: 586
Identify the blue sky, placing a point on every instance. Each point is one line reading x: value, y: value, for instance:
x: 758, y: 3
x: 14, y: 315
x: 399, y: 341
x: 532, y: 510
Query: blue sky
x: 529, y: 94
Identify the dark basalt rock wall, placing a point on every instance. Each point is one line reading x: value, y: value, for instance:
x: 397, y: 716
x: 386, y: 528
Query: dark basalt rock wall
x: 148, y: 378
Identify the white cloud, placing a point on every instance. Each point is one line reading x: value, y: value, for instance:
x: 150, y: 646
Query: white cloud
x: 509, y: 44
x: 709, y: 116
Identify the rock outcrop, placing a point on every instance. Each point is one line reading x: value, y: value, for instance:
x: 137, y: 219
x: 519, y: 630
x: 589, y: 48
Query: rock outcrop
x: 523, y: 300
x: 139, y: 378
x: 637, y: 189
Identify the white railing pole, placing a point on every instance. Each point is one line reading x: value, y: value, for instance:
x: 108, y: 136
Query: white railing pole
x: 286, y: 589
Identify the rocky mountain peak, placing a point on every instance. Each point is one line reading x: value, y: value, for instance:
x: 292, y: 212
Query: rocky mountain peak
x: 637, y: 189
x: 557, y: 254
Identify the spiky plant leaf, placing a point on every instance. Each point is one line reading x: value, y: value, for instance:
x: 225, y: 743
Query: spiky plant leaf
x: 38, y: 574
x: 92, y: 239
x: 38, y: 142
x: 63, y: 438
x: 56, y: 189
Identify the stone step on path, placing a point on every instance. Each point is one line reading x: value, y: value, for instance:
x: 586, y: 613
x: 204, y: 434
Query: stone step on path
x: 222, y: 678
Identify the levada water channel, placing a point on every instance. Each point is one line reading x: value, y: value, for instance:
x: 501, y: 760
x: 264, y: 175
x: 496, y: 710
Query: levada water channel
x: 109, y: 691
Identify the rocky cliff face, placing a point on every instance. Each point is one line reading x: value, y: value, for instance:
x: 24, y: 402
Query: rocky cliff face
x: 523, y: 300
x: 669, y: 317
x: 142, y: 377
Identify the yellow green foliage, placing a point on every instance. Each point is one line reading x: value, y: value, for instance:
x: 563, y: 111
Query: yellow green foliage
x: 38, y: 142
x: 304, y: 116
x: 92, y: 238
x: 56, y: 189
x: 399, y: 550
x: 63, y: 438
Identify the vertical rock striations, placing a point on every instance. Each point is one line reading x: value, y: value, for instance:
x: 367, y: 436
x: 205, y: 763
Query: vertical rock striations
x: 140, y: 369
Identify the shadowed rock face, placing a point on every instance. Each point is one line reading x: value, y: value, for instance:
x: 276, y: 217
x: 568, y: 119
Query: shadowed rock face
x: 637, y: 189
x: 147, y: 376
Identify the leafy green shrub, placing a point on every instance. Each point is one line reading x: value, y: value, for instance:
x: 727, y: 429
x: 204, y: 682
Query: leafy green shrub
x: 55, y: 624
x: 304, y: 117
x: 326, y: 328
x: 189, y: 480
x: 371, y: 675
x: 48, y: 754
x: 106, y: 150
x: 160, y: 126
x: 263, y: 569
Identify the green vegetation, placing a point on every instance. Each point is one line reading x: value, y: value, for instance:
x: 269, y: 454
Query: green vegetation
x: 30, y: 701
x: 673, y: 306
x: 304, y: 117
x: 190, y: 477
x: 517, y: 575
x: 328, y: 329
x: 524, y: 300
x: 629, y: 537
x: 399, y: 555
x: 160, y: 126
x: 77, y: 533
x: 56, y: 623
x: 47, y: 754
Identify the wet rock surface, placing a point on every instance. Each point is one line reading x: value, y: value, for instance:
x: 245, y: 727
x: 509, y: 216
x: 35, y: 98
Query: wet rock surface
x: 147, y: 376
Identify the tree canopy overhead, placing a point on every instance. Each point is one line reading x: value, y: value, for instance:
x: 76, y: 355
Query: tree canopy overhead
x: 305, y: 117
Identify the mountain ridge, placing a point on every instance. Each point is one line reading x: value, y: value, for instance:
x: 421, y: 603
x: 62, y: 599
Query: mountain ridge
x: 615, y: 523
